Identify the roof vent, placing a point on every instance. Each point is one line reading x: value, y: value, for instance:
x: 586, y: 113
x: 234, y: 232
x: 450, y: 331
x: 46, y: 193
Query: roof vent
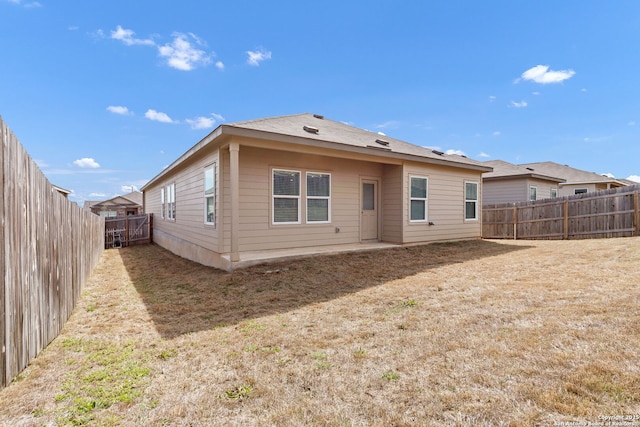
x: 530, y: 169
x: 318, y: 116
x: 382, y: 142
x: 439, y: 153
x: 311, y: 129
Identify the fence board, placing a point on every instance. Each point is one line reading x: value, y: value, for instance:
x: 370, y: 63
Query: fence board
x: 127, y: 230
x: 48, y: 248
x: 602, y: 214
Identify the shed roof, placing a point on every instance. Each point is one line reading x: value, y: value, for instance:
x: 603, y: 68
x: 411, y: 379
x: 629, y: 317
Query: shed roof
x: 314, y: 130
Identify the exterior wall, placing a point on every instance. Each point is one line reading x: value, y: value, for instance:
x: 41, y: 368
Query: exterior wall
x: 445, y: 204
x: 505, y: 191
x: 256, y: 229
x: 543, y: 189
x: 516, y: 190
x: 392, y: 204
x: 188, y: 235
x: 569, y: 189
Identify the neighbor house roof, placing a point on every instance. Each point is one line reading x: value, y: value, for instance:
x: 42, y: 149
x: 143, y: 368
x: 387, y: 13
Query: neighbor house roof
x: 571, y: 175
x: 316, y: 131
x: 131, y: 199
x: 505, y: 170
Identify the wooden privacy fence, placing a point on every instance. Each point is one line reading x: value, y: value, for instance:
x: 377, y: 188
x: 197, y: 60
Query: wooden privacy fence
x: 602, y: 214
x: 48, y: 247
x: 128, y: 230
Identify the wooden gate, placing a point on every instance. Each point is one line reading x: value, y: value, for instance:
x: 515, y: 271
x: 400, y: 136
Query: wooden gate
x: 128, y: 230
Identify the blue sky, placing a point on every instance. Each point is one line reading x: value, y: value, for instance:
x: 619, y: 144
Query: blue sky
x: 105, y: 94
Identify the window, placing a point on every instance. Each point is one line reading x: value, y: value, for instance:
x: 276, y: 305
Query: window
x: 580, y: 191
x: 318, y: 197
x: 171, y: 201
x: 162, y: 204
x: 554, y: 193
x: 108, y: 214
x: 471, y: 200
x: 418, y: 199
x: 286, y: 197
x: 533, y: 193
x: 210, y: 194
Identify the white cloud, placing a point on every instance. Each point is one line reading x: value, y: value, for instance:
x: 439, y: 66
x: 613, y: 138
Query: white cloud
x: 483, y: 154
x: 631, y: 123
x: 97, y: 195
x: 536, y: 93
x: 220, y: 65
x: 391, y: 124
x: 201, y: 122
x: 583, y: 90
x: 496, y: 133
x: 608, y: 175
x: 204, y: 122
x: 520, y: 104
x: 118, y: 109
x: 158, y: 116
x: 492, y: 98
x: 127, y: 37
x: 456, y: 152
x: 182, y: 55
x: 86, y: 162
x: 635, y: 178
x: 256, y: 57
x: 541, y: 74
x: 382, y: 134
x: 27, y: 5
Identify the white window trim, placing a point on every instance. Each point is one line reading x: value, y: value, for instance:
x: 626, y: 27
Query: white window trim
x: 533, y: 187
x: 162, y: 203
x: 476, y: 200
x: 171, y: 199
x: 425, y: 199
x: 213, y: 196
x: 274, y: 197
x: 328, y: 198
x: 551, y: 192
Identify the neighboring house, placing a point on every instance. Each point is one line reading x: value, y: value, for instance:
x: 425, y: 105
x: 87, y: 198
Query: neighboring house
x: 576, y: 181
x: 129, y: 204
x: 303, y: 181
x: 515, y: 183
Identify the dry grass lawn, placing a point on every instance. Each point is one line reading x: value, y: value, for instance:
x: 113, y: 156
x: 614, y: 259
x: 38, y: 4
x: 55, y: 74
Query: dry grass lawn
x: 471, y: 333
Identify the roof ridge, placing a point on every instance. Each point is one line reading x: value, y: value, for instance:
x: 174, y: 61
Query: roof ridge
x: 262, y: 119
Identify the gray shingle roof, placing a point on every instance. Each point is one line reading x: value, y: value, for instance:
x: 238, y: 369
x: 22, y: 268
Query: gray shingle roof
x: 504, y: 170
x: 341, y: 135
x: 569, y: 174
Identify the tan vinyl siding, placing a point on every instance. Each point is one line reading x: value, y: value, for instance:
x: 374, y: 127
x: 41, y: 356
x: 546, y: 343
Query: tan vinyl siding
x: 256, y: 229
x: 569, y: 189
x: 189, y: 224
x: 392, y: 203
x: 445, y: 205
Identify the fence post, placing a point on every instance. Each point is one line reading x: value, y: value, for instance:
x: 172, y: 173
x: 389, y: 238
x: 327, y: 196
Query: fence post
x: 515, y: 223
x: 565, y: 222
x: 636, y: 214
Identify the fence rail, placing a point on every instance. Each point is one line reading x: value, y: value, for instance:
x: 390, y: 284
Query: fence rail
x: 48, y: 247
x: 128, y: 230
x: 602, y: 214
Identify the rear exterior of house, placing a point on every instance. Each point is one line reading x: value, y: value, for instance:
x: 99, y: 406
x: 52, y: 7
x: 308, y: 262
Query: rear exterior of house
x: 509, y: 183
x: 304, y: 181
x: 575, y: 181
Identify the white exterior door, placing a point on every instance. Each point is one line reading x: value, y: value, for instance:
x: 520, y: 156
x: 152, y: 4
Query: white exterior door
x: 369, y: 210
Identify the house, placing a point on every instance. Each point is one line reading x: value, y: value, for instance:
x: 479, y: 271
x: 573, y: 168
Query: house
x: 516, y: 183
x: 296, y: 182
x: 65, y: 193
x: 129, y: 204
x: 576, y: 181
